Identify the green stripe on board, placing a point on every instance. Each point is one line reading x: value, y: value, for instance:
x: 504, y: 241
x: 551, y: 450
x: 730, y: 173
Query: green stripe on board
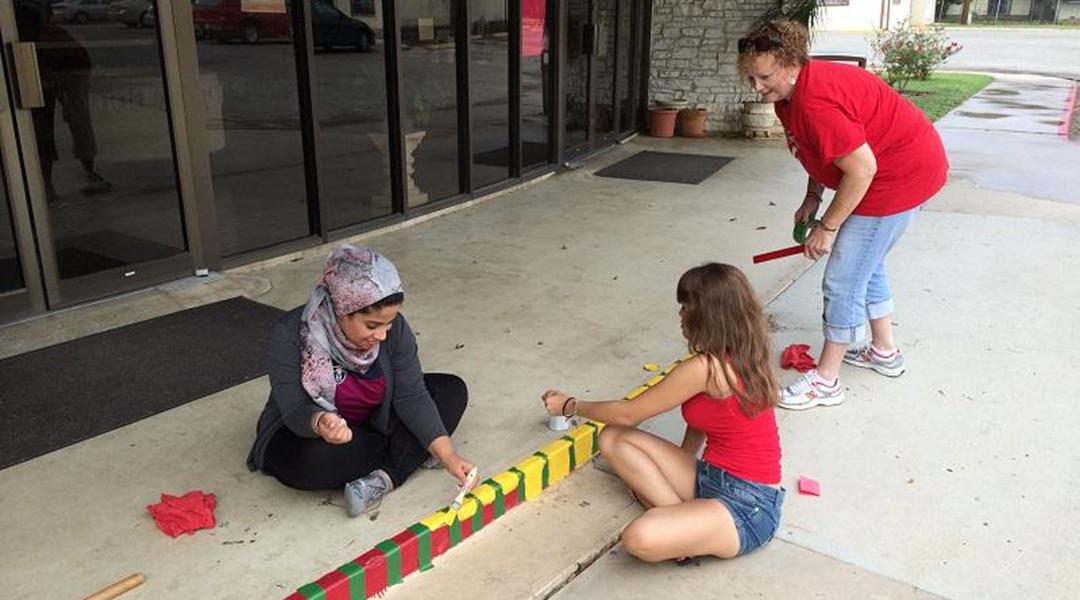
x: 393, y: 561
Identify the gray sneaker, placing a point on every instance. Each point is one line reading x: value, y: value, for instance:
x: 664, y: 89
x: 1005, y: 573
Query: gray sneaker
x: 864, y: 356
x: 366, y: 493
x: 806, y: 393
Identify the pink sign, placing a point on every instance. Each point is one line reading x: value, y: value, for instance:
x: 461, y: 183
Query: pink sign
x: 533, y: 14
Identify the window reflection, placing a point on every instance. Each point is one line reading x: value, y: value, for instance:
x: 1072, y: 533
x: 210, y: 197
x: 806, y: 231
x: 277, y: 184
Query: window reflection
x: 429, y: 102
x: 489, y: 92
x: 248, y: 72
x: 350, y: 71
x: 536, y: 100
x: 104, y: 142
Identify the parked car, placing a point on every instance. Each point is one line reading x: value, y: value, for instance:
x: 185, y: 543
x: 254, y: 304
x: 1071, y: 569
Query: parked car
x: 80, y: 11
x: 133, y: 13
x: 224, y: 20
x: 331, y: 27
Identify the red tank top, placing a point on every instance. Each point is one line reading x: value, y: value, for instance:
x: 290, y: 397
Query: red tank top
x: 746, y: 447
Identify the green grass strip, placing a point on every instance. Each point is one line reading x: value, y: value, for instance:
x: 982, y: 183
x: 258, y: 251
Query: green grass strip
x: 355, y: 573
x: 944, y: 91
x: 393, y: 561
x: 423, y: 545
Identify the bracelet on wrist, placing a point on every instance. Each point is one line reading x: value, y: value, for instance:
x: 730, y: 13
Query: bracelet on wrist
x: 565, y: 404
x: 827, y: 228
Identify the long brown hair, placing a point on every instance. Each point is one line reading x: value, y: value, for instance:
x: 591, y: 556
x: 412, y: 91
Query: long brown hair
x: 723, y: 320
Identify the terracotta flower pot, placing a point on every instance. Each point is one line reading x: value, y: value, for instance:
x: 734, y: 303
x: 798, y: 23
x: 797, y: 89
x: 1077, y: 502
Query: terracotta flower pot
x: 692, y: 122
x: 662, y: 122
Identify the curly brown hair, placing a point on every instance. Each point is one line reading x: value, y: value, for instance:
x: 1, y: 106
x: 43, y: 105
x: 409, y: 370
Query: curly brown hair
x: 724, y: 321
x: 790, y: 44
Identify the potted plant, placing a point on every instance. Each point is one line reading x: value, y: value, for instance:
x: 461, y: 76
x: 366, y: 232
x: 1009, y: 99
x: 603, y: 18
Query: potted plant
x: 759, y: 118
x: 692, y: 121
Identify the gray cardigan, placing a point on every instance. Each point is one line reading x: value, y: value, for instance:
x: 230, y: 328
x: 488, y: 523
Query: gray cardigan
x: 291, y: 406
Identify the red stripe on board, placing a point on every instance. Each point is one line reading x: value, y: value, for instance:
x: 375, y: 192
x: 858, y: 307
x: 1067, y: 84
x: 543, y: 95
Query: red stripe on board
x: 336, y: 585
x: 409, y: 547
x: 440, y: 541
x: 374, y: 563
x: 511, y: 499
x: 466, y: 528
x: 1070, y: 106
x: 488, y: 514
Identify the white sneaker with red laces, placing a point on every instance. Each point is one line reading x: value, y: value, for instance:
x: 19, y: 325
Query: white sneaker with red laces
x: 809, y: 391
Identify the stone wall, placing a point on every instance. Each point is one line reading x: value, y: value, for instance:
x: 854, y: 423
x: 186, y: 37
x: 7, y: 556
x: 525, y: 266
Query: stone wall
x: 694, y: 52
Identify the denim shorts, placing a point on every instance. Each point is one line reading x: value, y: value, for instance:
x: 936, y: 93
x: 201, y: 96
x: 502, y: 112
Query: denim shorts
x: 755, y: 507
x: 855, y: 286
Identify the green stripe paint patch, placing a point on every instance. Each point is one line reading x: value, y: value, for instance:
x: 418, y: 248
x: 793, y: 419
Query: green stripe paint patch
x: 423, y: 545
x: 312, y: 591
x: 355, y: 573
x: 390, y: 549
x: 545, y: 475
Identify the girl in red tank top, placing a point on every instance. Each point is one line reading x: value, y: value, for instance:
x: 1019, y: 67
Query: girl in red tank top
x: 728, y: 503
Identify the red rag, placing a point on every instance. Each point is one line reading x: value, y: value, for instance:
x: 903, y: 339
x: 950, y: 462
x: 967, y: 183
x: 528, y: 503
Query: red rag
x: 184, y: 514
x: 797, y: 356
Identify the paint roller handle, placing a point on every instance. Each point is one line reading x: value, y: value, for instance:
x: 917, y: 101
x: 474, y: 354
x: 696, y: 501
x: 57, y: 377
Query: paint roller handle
x: 114, y: 590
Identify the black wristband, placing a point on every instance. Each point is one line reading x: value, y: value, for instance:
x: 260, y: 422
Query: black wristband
x: 565, y: 404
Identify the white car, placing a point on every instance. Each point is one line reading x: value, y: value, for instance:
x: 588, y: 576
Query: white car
x: 81, y: 11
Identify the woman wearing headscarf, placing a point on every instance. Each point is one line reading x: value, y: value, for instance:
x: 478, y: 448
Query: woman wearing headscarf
x: 856, y: 135
x: 349, y: 403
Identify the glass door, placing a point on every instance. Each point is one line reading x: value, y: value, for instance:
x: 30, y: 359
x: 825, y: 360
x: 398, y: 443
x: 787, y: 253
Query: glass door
x: 92, y: 117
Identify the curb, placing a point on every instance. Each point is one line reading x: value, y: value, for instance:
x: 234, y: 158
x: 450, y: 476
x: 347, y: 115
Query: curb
x: 1070, y: 106
x: 414, y: 548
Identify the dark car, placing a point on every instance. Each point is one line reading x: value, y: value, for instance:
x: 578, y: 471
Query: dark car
x: 226, y: 21
x: 331, y: 27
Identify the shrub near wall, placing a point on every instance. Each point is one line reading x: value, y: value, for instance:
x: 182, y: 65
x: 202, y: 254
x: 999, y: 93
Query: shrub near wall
x: 693, y: 56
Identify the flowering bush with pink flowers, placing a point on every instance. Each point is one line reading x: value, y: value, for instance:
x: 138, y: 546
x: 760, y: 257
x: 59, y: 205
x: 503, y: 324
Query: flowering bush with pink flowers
x: 908, y: 53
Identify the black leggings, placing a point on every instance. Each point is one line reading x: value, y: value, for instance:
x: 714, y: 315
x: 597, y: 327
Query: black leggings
x: 313, y: 464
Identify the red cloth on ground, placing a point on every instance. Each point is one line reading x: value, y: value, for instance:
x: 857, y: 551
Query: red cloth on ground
x: 184, y: 514
x: 797, y: 356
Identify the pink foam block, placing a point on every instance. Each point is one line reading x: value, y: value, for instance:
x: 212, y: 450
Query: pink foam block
x: 809, y: 486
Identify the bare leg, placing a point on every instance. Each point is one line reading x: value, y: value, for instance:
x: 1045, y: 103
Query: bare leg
x: 693, y: 528
x: 881, y: 334
x: 832, y: 354
x: 657, y: 471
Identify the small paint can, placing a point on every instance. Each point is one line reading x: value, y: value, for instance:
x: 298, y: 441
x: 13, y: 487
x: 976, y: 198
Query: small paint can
x: 558, y: 423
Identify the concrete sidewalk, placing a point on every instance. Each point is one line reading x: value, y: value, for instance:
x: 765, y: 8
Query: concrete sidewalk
x: 955, y: 479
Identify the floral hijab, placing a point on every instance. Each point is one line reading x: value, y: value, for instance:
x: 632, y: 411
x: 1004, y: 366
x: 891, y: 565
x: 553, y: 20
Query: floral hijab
x: 354, y: 278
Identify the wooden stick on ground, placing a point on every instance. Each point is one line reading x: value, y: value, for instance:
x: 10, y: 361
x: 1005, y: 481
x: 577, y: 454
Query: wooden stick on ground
x: 114, y: 590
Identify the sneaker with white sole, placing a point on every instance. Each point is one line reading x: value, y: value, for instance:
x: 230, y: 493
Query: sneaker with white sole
x: 365, y: 494
x: 867, y: 357
x: 808, y: 392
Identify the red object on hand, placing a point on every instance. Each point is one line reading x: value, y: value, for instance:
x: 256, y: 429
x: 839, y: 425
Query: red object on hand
x: 781, y: 253
x: 184, y: 514
x: 797, y: 356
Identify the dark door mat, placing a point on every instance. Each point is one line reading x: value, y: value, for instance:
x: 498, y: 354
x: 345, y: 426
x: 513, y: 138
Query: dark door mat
x: 63, y: 394
x: 670, y: 167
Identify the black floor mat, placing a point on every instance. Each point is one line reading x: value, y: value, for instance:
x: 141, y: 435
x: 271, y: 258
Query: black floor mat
x: 63, y: 394
x: 670, y: 167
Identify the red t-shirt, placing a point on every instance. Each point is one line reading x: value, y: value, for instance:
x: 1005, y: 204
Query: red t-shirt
x: 746, y: 447
x: 835, y: 108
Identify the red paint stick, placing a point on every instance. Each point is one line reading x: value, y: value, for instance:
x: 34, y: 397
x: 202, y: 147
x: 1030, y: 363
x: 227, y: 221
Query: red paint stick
x: 781, y: 253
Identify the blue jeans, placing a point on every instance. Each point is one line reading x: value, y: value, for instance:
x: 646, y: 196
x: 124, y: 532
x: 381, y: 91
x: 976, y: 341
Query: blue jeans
x: 855, y: 285
x: 755, y: 507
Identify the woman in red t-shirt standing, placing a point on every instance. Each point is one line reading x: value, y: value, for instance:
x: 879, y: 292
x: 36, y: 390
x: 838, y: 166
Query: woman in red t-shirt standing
x: 728, y: 503
x: 856, y: 135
